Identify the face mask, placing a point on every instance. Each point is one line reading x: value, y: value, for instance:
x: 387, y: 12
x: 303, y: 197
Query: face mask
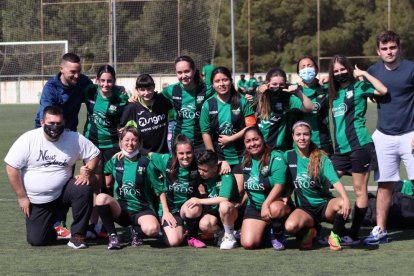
x: 53, y: 131
x: 307, y: 74
x: 130, y: 155
x: 276, y: 91
x: 341, y: 78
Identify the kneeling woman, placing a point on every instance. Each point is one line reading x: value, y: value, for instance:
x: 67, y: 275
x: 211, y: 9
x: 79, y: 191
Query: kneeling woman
x: 131, y: 204
x: 219, y: 199
x: 312, y: 174
x: 175, y: 179
x: 264, y: 178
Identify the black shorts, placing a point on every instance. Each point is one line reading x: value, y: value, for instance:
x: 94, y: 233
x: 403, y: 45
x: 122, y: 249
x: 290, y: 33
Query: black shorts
x: 317, y: 213
x: 236, y: 169
x: 180, y: 221
x: 127, y: 218
x: 252, y: 213
x: 356, y: 161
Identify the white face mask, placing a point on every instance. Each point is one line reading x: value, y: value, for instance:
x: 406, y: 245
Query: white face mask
x: 307, y: 74
x: 130, y: 155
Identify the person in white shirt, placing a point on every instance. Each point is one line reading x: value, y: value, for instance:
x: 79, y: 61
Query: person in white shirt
x: 39, y: 166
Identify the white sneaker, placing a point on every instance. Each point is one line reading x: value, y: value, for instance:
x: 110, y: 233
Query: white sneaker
x: 377, y: 236
x: 228, y: 242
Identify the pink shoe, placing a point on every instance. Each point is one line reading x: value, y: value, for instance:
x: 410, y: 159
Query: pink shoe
x: 196, y: 243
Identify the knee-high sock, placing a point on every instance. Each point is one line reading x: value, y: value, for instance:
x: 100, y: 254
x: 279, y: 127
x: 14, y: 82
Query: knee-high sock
x: 278, y: 225
x: 359, y: 215
x: 107, y: 218
x: 192, y: 226
x: 339, y: 225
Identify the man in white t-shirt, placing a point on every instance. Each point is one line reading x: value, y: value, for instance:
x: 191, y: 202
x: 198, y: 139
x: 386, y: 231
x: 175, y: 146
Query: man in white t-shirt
x: 40, y: 169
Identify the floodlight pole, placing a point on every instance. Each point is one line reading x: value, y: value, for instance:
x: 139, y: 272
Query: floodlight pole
x: 233, y: 57
x: 114, y: 34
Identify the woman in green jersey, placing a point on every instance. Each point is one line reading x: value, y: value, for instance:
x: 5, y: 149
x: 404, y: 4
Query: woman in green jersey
x: 353, y: 144
x: 187, y: 97
x: 264, y: 178
x: 307, y: 70
x: 275, y: 100
x: 179, y: 182
x: 219, y: 200
x: 131, y: 204
x: 312, y: 174
x: 104, y: 103
x: 223, y: 120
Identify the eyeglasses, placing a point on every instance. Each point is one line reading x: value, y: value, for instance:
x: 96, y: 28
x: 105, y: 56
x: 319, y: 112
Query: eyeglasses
x: 388, y: 48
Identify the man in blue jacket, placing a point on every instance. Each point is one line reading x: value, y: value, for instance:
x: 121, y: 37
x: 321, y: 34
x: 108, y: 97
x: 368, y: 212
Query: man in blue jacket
x: 64, y: 90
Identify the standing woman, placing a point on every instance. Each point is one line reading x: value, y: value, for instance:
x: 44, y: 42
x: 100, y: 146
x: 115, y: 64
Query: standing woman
x: 264, y: 178
x: 179, y: 182
x: 318, y: 119
x: 353, y: 144
x: 131, y: 204
x: 312, y: 174
x: 223, y: 120
x: 187, y: 97
x: 149, y: 115
x: 275, y: 100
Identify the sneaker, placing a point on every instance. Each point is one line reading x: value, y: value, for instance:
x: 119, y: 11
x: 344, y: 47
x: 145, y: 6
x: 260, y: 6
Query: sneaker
x: 307, y: 241
x: 196, y: 243
x: 77, y: 242
x: 61, y: 230
x: 135, y: 239
x: 348, y: 240
x: 228, y: 242
x: 377, y: 236
x: 334, y: 242
x: 114, y: 242
x: 278, y: 242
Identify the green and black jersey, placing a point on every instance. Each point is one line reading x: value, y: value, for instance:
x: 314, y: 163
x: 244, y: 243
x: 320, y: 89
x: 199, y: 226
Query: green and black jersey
x: 310, y: 192
x: 224, y: 186
x: 275, y: 128
x: 259, y: 180
x: 187, y: 108
x: 104, y: 114
x: 319, y: 117
x: 152, y: 123
x: 220, y: 118
x: 131, y: 189
x: 178, y: 190
x: 348, y: 113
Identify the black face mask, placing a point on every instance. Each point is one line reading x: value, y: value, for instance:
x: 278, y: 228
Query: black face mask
x: 53, y: 131
x: 276, y: 91
x: 341, y: 78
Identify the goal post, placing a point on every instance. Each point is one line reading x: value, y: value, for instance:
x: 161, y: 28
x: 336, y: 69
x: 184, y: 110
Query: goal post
x: 12, y: 43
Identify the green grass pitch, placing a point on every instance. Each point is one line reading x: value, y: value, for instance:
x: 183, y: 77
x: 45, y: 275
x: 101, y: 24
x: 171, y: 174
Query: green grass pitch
x: 19, y: 258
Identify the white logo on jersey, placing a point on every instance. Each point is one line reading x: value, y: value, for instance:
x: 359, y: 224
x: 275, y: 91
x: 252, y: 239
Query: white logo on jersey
x: 340, y: 110
x: 142, y: 122
x: 349, y: 94
x: 303, y: 181
x: 128, y: 189
x: 189, y: 112
x: 316, y: 107
x: 226, y: 128
x: 140, y: 113
x: 253, y: 184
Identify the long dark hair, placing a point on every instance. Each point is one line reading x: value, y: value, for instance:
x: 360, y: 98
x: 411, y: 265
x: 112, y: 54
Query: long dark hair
x: 198, y: 80
x: 263, y: 99
x: 181, y: 139
x: 234, y: 95
x: 311, y: 59
x: 106, y: 69
x: 333, y: 85
x: 264, y: 160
